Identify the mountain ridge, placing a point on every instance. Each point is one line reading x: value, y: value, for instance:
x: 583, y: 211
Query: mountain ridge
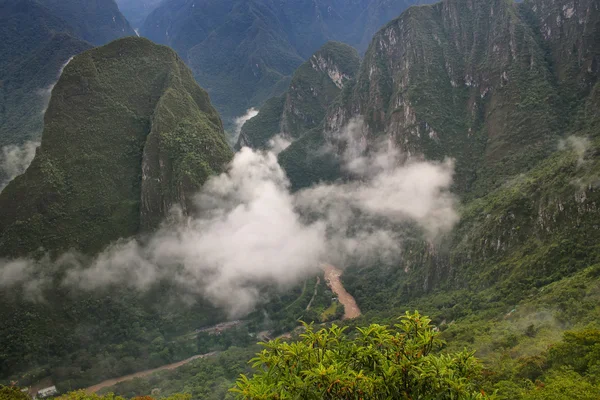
x: 38, y: 38
x: 313, y: 87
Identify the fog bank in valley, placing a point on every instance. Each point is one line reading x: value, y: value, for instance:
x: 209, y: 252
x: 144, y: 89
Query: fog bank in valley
x: 249, y: 230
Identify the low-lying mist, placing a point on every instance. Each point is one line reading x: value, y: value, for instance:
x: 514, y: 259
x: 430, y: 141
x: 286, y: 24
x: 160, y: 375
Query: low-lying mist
x: 14, y: 160
x: 249, y: 230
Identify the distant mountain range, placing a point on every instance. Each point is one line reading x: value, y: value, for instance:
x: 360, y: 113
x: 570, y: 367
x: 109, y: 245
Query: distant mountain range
x: 136, y: 11
x: 244, y: 51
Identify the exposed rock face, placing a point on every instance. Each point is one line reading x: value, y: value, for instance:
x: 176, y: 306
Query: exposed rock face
x: 470, y: 80
x: 570, y: 31
x: 496, y: 85
x: 314, y: 86
x: 443, y: 80
x: 128, y: 134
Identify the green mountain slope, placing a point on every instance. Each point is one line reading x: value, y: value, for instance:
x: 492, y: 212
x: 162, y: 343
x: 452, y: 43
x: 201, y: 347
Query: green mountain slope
x: 510, y: 91
x: 499, y: 87
x: 37, y: 38
x: 243, y: 51
x: 131, y: 110
x: 314, y: 86
x: 128, y: 133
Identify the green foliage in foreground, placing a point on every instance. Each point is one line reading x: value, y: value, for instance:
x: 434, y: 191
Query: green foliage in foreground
x: 12, y: 393
x: 83, y: 395
x: 537, y: 364
x: 376, y: 363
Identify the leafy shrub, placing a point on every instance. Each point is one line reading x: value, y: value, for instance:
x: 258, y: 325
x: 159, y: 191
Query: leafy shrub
x: 378, y: 362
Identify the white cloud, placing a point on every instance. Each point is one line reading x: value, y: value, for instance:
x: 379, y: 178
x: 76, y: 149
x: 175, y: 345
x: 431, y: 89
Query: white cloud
x: 14, y: 160
x: 279, y: 143
x: 240, y: 121
x: 250, y: 231
x: 580, y: 145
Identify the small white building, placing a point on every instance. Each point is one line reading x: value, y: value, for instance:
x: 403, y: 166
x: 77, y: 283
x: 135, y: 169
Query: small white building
x: 47, y: 392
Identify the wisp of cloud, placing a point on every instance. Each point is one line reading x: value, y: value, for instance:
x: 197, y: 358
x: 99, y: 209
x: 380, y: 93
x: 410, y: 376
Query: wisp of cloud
x: 240, y: 121
x: 14, y: 160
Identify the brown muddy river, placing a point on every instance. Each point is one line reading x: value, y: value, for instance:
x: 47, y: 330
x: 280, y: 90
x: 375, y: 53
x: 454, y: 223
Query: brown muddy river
x: 332, y: 276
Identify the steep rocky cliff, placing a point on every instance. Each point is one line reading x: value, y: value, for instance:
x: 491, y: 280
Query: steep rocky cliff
x: 509, y: 90
x: 314, y: 86
x: 127, y: 135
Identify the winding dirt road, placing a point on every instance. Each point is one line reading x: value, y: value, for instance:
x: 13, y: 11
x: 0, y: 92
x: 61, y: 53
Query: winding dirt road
x: 141, y: 374
x: 332, y: 276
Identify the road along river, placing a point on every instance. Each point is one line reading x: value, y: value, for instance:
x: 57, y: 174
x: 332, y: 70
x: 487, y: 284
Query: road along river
x: 141, y: 374
x: 332, y: 277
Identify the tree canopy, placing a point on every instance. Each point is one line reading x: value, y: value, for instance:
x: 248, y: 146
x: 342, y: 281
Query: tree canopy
x: 376, y: 362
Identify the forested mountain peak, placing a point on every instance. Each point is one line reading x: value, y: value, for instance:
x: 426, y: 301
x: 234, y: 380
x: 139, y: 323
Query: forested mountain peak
x: 132, y: 112
x: 443, y: 80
